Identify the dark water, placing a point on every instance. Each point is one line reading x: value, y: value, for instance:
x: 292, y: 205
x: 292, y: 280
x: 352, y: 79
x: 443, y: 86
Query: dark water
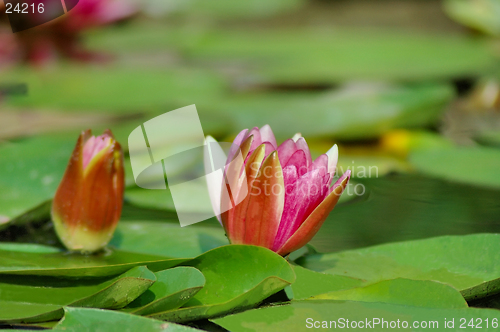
x: 405, y: 207
x: 397, y: 207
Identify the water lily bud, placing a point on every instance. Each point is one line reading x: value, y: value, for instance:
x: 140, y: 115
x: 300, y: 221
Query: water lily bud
x: 287, y: 195
x: 88, y: 202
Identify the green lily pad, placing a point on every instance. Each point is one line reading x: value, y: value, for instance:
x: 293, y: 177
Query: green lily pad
x: 29, y: 248
x: 226, y: 9
x: 111, y: 294
x: 115, y: 89
x: 307, y: 315
x: 173, y: 288
x: 418, y: 293
x: 46, y: 325
x: 30, y: 172
x: 345, y: 114
x: 298, y: 55
x: 238, y: 277
x: 83, y: 320
x: 310, y: 55
x: 167, y: 239
x: 310, y: 283
x: 27, y: 299
x: 14, y: 312
x: 491, y: 138
x: 467, y: 263
x: 63, y: 264
x: 477, y: 166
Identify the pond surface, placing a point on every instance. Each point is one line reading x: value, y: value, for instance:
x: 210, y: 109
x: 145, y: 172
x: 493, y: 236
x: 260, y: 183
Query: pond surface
x: 402, y: 207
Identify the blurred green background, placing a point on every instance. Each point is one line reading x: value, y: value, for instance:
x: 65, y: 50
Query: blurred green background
x: 410, y: 90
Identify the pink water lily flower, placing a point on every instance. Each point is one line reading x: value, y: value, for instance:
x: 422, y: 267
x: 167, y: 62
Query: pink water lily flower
x: 281, y: 196
x: 88, y: 202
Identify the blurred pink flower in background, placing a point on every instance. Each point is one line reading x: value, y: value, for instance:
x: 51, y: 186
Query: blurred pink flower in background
x: 61, y: 37
x: 9, y: 49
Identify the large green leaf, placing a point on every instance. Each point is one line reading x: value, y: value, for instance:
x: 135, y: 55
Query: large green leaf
x: 29, y: 248
x: 95, y: 320
x: 489, y: 137
x: 418, y: 293
x: 109, y: 262
x: 14, y: 312
x: 21, y: 295
x: 167, y: 239
x: 173, y: 288
x: 331, y: 55
x: 30, y: 171
x: 310, y: 55
x: 310, y: 283
x: 346, y: 114
x: 113, y: 89
x: 477, y: 166
x: 226, y: 9
x: 306, y: 315
x: 238, y: 277
x: 112, y: 293
x: 467, y: 263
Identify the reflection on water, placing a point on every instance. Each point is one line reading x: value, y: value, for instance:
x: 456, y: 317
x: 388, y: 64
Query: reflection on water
x: 406, y: 207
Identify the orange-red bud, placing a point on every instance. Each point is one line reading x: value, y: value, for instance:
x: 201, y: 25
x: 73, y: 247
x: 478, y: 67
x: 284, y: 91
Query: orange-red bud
x: 88, y: 201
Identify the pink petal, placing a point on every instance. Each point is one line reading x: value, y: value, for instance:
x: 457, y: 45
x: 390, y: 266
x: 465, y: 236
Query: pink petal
x: 310, y: 190
x: 265, y: 205
x: 290, y: 176
x: 245, y: 153
x: 320, y: 163
x: 267, y: 135
x: 299, y: 160
x: 286, y: 150
x: 340, y: 180
x: 235, y: 220
x: 236, y: 145
x: 257, y: 139
x: 315, y: 220
x: 233, y: 173
x: 268, y: 149
x: 302, y: 145
x: 93, y: 146
x: 88, y: 150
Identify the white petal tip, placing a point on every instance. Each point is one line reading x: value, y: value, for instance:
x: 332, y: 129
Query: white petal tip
x: 334, y: 151
x: 296, y: 137
x: 333, y: 157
